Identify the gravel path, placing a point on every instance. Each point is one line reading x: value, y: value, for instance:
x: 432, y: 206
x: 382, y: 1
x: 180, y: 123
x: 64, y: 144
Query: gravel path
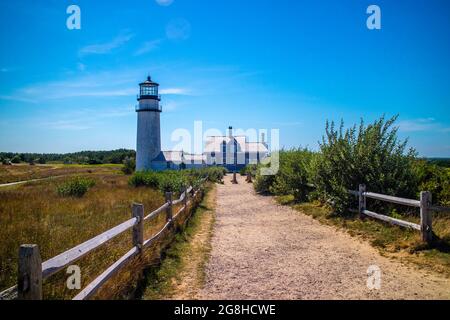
x: 261, y: 250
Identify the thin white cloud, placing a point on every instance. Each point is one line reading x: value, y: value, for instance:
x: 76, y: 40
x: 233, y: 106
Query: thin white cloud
x: 148, y: 47
x: 164, y: 3
x: 67, y: 125
x: 107, y: 47
x: 422, y: 124
x: 84, y: 118
x: 17, y: 98
x: 173, y: 78
x: 94, y: 93
x: 289, y: 124
x: 105, y: 84
x: 175, y: 91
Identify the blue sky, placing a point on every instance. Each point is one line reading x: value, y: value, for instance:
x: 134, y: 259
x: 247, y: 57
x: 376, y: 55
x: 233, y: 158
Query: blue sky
x: 253, y: 64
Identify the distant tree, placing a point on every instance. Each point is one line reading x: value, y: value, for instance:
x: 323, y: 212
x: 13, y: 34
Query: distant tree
x: 41, y: 160
x: 31, y: 162
x: 94, y: 161
x: 16, y: 159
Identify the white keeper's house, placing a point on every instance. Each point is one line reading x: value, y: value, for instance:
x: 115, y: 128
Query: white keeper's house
x: 232, y: 152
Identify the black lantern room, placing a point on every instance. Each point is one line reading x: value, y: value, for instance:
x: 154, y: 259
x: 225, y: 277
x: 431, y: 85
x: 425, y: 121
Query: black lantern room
x: 148, y: 90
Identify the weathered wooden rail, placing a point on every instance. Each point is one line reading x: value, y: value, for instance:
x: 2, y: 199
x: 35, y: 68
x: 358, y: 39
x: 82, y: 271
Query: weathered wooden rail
x: 32, y: 271
x: 426, y: 208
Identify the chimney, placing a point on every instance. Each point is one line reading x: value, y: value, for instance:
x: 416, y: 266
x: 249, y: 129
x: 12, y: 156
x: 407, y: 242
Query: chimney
x: 230, y: 132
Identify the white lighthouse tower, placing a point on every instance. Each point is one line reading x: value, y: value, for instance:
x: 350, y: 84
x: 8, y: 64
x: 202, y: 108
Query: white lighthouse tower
x: 148, y: 145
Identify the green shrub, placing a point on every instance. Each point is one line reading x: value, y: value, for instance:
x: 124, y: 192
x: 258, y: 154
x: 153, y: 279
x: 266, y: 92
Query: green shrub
x: 294, y: 174
x: 144, y: 178
x: 370, y: 155
x: 172, y: 181
x: 166, y: 181
x: 433, y: 178
x: 292, y: 178
x: 15, y: 159
x: 129, y: 165
x: 75, y: 187
x: 175, y: 181
x: 263, y: 183
x: 250, y: 168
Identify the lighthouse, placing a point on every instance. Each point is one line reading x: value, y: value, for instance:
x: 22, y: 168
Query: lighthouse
x: 148, y: 145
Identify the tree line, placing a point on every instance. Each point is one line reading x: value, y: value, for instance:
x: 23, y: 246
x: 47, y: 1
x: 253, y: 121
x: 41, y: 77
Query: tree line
x: 83, y: 157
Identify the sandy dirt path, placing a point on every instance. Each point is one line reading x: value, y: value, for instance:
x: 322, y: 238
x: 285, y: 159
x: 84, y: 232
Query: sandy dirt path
x: 261, y: 250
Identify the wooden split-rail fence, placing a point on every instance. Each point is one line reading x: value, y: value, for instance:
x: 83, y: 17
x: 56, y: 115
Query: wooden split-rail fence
x: 32, y: 271
x: 425, y: 205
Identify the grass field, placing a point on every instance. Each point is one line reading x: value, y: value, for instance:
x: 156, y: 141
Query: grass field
x: 35, y: 213
x: 391, y: 240
x: 21, y: 172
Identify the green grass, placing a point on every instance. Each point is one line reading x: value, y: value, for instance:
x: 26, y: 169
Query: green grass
x: 391, y: 240
x: 159, y: 279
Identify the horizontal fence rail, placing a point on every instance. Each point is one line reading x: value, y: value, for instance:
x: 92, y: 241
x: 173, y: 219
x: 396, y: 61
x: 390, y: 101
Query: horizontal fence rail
x: 399, y: 222
x: 64, y: 259
x: 32, y: 271
x: 425, y: 226
x: 397, y: 200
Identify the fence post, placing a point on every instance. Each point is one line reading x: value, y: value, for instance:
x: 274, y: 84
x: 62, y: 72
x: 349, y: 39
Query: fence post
x: 138, y: 228
x: 169, y: 214
x: 185, y: 200
x: 30, y: 273
x: 234, y: 178
x: 425, y: 217
x: 362, y: 200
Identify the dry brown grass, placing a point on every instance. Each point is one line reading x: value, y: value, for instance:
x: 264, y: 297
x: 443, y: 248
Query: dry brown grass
x: 21, y: 172
x: 34, y: 213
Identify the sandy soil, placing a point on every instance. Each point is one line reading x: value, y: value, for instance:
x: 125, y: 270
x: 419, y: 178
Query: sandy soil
x: 261, y: 250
